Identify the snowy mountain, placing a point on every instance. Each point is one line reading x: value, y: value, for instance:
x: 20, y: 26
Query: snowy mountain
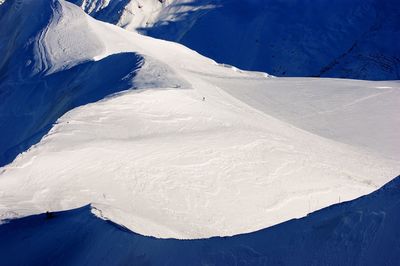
x: 45, y: 73
x: 361, y: 232
x: 167, y: 143
x: 347, y: 39
x: 195, y: 148
x: 135, y: 14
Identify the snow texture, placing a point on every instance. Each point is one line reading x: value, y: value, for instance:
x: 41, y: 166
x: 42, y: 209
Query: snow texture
x: 361, y: 232
x: 46, y: 70
x: 198, y: 149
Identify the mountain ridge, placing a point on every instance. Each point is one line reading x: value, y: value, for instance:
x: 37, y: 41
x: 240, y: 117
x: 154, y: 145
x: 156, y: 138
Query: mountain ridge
x: 340, y: 39
x: 183, y: 147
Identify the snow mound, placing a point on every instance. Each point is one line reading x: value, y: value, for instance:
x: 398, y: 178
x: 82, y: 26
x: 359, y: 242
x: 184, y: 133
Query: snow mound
x: 361, y: 232
x: 202, y: 157
x: 47, y: 70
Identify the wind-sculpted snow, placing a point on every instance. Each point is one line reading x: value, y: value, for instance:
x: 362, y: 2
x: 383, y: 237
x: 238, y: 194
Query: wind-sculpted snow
x: 47, y: 43
x: 45, y: 73
x: 199, y: 149
x: 344, y: 39
x: 361, y: 232
x: 32, y: 105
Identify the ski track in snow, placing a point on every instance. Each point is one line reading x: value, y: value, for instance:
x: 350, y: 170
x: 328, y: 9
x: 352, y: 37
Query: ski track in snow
x: 165, y: 163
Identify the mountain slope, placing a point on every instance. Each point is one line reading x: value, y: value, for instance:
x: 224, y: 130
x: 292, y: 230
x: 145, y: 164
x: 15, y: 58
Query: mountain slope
x: 45, y: 74
x: 343, y: 39
x: 191, y: 152
x: 361, y: 232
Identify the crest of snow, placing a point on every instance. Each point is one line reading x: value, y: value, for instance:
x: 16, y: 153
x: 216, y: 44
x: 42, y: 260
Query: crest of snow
x: 138, y: 14
x: 223, y: 153
x: 68, y: 40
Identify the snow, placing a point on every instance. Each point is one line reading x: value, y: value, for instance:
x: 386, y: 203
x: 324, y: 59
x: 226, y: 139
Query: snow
x: 349, y: 111
x: 38, y: 86
x: 61, y: 45
x: 361, y: 232
x: 135, y: 15
x: 162, y: 162
x: 344, y: 39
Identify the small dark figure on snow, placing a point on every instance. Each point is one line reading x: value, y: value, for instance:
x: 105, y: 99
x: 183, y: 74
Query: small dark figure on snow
x: 204, y: 98
x: 49, y: 215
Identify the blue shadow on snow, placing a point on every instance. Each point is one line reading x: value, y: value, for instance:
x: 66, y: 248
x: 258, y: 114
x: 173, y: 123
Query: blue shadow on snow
x: 364, y: 231
x: 29, y: 107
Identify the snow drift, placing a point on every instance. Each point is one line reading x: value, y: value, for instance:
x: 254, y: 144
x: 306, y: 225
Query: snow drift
x: 45, y: 73
x: 361, y: 232
x: 197, y: 150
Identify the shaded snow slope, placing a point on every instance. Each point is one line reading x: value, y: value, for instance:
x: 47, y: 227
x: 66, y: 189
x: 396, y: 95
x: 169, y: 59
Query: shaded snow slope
x: 361, y: 232
x: 349, y: 111
x: 45, y: 73
x: 164, y: 162
x: 345, y: 39
x: 134, y: 14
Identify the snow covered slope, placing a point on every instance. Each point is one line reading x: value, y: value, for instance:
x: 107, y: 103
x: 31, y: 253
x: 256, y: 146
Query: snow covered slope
x: 347, y: 39
x: 44, y: 73
x: 162, y: 161
x: 361, y: 232
x: 134, y: 14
